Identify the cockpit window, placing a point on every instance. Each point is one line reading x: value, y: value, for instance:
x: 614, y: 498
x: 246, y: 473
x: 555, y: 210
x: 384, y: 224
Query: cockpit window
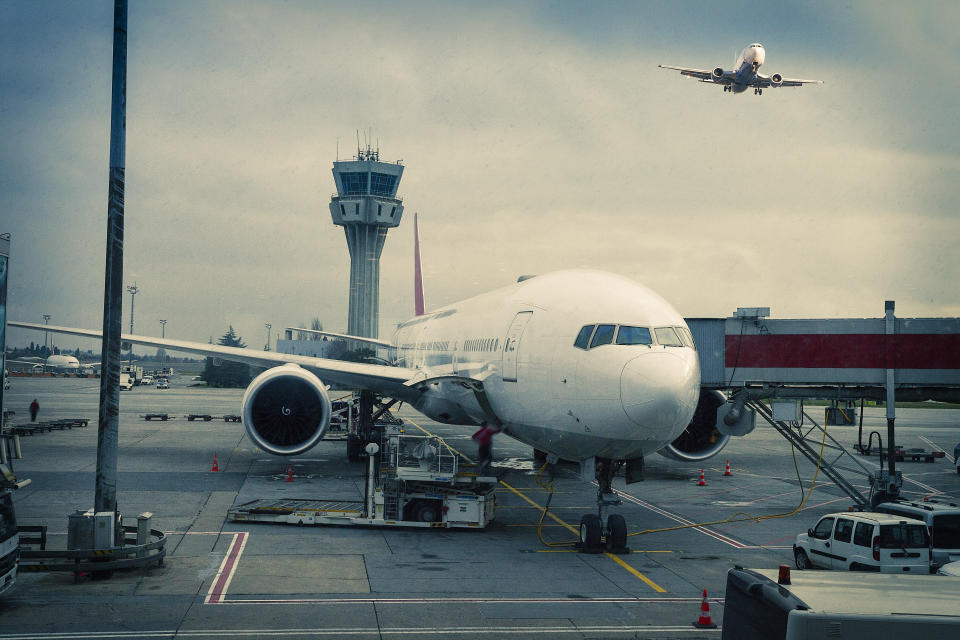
x: 668, y: 337
x: 634, y: 335
x: 687, y: 337
x: 583, y: 338
x: 603, y: 335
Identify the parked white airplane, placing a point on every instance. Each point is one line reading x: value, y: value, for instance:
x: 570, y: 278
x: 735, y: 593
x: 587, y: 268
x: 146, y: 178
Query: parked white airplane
x: 744, y: 74
x: 583, y: 365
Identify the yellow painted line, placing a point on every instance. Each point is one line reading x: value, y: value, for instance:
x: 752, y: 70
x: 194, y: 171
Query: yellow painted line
x: 468, y: 459
x: 653, y: 585
x: 549, y: 515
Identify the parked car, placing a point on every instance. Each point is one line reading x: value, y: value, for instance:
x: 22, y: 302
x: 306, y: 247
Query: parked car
x: 162, y: 384
x: 950, y: 569
x: 865, y: 541
x: 942, y: 517
x: 146, y: 380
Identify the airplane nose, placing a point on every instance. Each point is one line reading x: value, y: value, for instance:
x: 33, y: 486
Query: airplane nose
x: 660, y: 389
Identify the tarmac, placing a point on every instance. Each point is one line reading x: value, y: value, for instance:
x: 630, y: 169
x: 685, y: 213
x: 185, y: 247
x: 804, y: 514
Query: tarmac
x: 223, y: 579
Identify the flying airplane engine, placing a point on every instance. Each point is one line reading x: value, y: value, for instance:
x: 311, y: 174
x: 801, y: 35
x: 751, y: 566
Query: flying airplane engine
x: 700, y: 440
x: 718, y: 73
x: 776, y: 80
x: 286, y: 410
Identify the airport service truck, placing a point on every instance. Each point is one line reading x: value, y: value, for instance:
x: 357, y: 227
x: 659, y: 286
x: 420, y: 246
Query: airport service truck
x: 126, y: 383
x: 9, y: 538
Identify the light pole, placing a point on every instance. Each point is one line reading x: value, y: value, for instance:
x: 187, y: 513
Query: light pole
x: 46, y: 320
x: 163, y: 334
x: 133, y: 290
x: 266, y: 347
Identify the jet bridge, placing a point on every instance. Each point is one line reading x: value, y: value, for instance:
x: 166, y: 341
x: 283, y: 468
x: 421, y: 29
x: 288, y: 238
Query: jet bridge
x: 750, y: 356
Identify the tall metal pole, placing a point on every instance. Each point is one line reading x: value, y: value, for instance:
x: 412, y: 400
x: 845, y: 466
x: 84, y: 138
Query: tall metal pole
x: 890, y: 330
x: 105, y: 498
x: 46, y: 320
x: 163, y: 334
x: 266, y: 347
x: 133, y: 291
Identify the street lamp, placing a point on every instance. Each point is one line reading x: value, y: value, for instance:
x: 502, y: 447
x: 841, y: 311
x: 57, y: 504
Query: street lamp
x: 266, y: 347
x: 133, y: 290
x: 46, y: 320
x: 163, y: 334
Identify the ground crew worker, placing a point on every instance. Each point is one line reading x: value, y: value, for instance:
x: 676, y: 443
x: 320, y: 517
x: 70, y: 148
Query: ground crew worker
x: 484, y: 440
x: 34, y: 409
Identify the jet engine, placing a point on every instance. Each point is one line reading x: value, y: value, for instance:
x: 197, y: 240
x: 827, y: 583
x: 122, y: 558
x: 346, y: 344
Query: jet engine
x: 700, y: 440
x: 717, y: 73
x: 286, y: 410
x: 776, y: 80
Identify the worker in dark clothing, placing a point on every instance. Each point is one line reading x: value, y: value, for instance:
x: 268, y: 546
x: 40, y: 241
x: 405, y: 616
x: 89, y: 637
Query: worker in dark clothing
x: 34, y: 409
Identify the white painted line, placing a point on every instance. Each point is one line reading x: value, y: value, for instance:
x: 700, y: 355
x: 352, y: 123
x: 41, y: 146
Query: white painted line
x: 487, y: 601
x: 946, y: 455
x: 220, y: 584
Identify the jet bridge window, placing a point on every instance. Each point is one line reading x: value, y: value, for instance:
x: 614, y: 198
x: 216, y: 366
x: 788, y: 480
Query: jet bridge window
x: 583, y: 338
x: 634, y: 335
x: 603, y: 335
x: 668, y: 337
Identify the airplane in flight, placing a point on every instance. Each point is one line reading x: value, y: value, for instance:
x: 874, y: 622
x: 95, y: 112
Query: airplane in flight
x: 583, y: 365
x: 745, y: 73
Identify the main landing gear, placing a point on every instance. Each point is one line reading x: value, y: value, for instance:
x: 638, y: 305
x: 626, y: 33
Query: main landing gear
x: 758, y: 92
x: 594, y: 537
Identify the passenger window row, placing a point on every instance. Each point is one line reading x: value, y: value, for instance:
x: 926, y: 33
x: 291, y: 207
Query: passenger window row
x: 595, y: 335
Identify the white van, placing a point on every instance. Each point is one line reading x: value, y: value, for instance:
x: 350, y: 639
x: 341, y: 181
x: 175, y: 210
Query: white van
x: 865, y: 541
x: 942, y: 517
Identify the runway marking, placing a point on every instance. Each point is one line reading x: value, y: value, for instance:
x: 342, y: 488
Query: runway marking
x: 218, y: 589
x: 636, y: 573
x: 468, y: 459
x: 945, y: 454
x: 465, y: 600
x: 485, y: 631
x: 650, y: 583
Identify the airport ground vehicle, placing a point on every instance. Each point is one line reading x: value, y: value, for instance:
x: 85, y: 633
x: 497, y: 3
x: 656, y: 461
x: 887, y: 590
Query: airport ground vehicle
x: 9, y: 541
x: 865, y: 541
x: 162, y: 384
x: 942, y: 517
x: 147, y: 380
x: 126, y: 383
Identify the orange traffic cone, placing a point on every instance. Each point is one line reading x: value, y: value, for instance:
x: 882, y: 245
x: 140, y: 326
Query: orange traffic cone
x: 703, y: 620
x: 702, y: 482
x: 727, y: 471
x: 289, y: 474
x: 215, y: 466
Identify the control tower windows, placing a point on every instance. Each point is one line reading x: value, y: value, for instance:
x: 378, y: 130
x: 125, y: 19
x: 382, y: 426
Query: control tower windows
x: 668, y: 337
x: 634, y: 335
x: 354, y: 183
x: 382, y: 184
x: 603, y: 335
x: 583, y: 338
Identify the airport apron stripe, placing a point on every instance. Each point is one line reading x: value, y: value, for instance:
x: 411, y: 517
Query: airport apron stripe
x: 842, y: 351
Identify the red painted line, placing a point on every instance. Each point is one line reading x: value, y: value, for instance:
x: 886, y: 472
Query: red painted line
x: 218, y: 589
x: 843, y: 351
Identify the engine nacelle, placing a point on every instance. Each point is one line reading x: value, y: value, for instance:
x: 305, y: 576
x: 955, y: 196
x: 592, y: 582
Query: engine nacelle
x: 718, y: 73
x: 776, y: 80
x: 700, y: 440
x: 286, y: 410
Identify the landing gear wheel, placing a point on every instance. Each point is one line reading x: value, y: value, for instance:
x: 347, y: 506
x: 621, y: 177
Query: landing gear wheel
x: 801, y: 559
x: 616, y: 534
x: 354, y: 447
x: 590, y: 532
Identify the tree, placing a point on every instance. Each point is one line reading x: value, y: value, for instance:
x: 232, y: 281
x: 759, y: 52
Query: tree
x: 225, y: 373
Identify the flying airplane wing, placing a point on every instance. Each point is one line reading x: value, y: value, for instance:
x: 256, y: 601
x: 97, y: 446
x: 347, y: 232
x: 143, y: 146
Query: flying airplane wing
x: 700, y: 74
x: 763, y: 82
x: 393, y: 381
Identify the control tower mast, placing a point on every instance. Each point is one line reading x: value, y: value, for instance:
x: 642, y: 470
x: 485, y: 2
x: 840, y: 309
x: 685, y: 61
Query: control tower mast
x: 366, y: 206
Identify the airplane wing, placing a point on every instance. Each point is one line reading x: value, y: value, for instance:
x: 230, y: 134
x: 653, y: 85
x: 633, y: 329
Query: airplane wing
x: 344, y: 336
x: 763, y: 82
x: 700, y: 74
x: 396, y: 382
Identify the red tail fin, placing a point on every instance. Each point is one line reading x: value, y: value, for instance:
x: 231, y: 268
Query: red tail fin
x: 417, y: 273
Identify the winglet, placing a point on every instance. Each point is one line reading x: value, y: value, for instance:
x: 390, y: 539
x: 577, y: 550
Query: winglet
x: 417, y: 273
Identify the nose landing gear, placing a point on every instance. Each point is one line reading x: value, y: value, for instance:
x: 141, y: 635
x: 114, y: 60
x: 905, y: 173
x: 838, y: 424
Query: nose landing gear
x: 594, y: 538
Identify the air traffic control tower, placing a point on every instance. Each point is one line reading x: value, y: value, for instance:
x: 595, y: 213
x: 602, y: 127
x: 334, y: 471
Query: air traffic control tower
x: 366, y: 206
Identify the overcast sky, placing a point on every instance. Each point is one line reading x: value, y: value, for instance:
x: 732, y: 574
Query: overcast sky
x: 535, y: 136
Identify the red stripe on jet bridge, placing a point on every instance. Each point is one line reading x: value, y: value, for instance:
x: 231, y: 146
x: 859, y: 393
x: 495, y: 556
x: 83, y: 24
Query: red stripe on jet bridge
x: 843, y: 351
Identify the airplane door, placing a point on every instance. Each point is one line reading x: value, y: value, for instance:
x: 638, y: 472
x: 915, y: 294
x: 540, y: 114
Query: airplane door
x: 511, y: 345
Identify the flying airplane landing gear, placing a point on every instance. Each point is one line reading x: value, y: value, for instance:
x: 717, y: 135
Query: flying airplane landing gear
x: 594, y: 537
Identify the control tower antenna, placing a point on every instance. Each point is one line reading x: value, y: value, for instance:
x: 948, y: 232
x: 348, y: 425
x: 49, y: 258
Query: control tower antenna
x: 366, y: 206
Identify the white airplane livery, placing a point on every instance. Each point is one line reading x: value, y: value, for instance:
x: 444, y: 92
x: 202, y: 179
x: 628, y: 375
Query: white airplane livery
x: 745, y: 73
x: 582, y: 365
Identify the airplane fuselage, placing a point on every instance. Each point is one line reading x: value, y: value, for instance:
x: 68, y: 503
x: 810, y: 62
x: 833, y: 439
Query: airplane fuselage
x: 746, y: 67
x: 631, y: 393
